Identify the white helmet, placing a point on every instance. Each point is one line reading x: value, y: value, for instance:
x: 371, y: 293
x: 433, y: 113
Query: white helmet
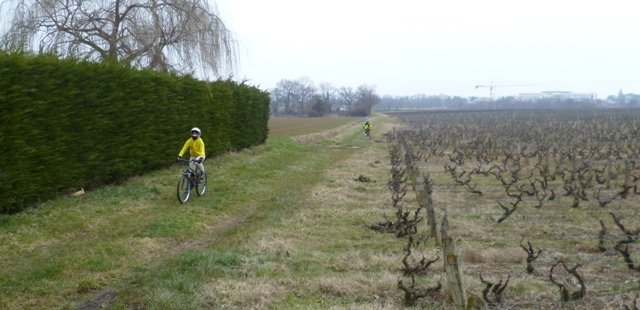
x: 196, y: 129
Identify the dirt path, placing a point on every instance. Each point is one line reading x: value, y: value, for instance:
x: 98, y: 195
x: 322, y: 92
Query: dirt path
x: 322, y: 254
x: 358, y: 156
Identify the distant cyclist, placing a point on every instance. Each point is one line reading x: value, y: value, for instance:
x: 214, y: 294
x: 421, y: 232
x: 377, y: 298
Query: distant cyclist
x: 367, y: 129
x: 195, y: 146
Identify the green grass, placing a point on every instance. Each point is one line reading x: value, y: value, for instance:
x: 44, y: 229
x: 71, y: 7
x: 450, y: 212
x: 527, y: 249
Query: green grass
x: 173, y: 227
x: 288, y: 185
x: 139, y: 241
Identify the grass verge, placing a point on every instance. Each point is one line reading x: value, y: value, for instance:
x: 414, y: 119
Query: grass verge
x: 280, y: 224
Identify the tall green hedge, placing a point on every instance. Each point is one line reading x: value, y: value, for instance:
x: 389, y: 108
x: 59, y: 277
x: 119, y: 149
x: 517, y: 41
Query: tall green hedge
x: 67, y: 124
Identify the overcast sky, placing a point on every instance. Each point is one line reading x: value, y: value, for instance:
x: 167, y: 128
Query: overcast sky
x: 406, y: 47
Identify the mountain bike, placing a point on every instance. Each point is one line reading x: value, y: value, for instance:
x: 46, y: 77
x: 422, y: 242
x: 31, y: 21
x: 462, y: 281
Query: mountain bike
x: 367, y: 133
x: 191, y: 179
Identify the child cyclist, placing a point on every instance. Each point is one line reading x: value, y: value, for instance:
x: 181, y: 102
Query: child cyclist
x: 367, y: 129
x: 195, y: 146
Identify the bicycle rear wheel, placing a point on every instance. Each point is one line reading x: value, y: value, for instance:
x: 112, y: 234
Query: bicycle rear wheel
x: 201, y: 185
x: 184, y: 189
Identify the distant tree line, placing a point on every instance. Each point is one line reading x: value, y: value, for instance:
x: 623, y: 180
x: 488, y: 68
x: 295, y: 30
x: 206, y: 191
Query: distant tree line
x: 630, y: 99
x: 508, y: 103
x: 421, y: 102
x: 302, y: 97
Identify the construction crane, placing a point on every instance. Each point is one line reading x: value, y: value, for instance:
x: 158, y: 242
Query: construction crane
x: 491, y: 88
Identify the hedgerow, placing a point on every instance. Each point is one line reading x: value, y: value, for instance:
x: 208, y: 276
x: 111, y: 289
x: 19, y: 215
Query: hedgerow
x: 67, y: 124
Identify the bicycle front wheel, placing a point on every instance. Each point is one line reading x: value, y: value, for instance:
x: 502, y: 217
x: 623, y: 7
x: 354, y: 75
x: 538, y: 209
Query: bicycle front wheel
x: 201, y: 185
x: 184, y: 189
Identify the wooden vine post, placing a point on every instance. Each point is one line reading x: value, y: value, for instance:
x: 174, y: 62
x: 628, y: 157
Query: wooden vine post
x: 412, y: 170
x: 424, y: 197
x: 422, y: 186
x: 431, y: 212
x: 455, y: 286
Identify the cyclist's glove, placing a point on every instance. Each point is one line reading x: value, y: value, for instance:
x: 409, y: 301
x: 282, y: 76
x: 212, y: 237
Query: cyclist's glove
x: 179, y: 159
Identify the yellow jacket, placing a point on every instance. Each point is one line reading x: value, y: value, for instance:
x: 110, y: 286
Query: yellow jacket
x: 195, y: 147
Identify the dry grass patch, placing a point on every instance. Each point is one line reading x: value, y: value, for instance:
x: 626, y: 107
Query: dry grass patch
x: 280, y: 127
x: 472, y: 256
x: 322, y: 250
x: 373, y: 291
x: 336, y: 133
x: 275, y: 246
x: 253, y: 293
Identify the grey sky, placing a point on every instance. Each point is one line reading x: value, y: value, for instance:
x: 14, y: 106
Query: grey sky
x: 431, y: 47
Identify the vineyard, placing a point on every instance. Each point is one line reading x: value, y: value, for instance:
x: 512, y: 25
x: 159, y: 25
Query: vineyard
x: 530, y: 209
x: 439, y: 210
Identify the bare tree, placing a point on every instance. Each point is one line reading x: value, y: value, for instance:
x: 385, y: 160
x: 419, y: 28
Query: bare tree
x: 293, y: 97
x: 329, y: 94
x: 302, y: 97
x: 283, y: 97
x: 347, y: 97
x: 165, y: 35
x: 366, y: 98
x: 305, y: 89
x: 318, y: 106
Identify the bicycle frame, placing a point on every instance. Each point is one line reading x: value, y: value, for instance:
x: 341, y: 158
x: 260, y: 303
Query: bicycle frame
x: 190, y: 173
x: 189, y: 179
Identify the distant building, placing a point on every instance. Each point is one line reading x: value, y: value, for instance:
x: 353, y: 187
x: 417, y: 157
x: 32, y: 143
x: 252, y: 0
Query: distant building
x: 558, y: 95
x: 479, y: 99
